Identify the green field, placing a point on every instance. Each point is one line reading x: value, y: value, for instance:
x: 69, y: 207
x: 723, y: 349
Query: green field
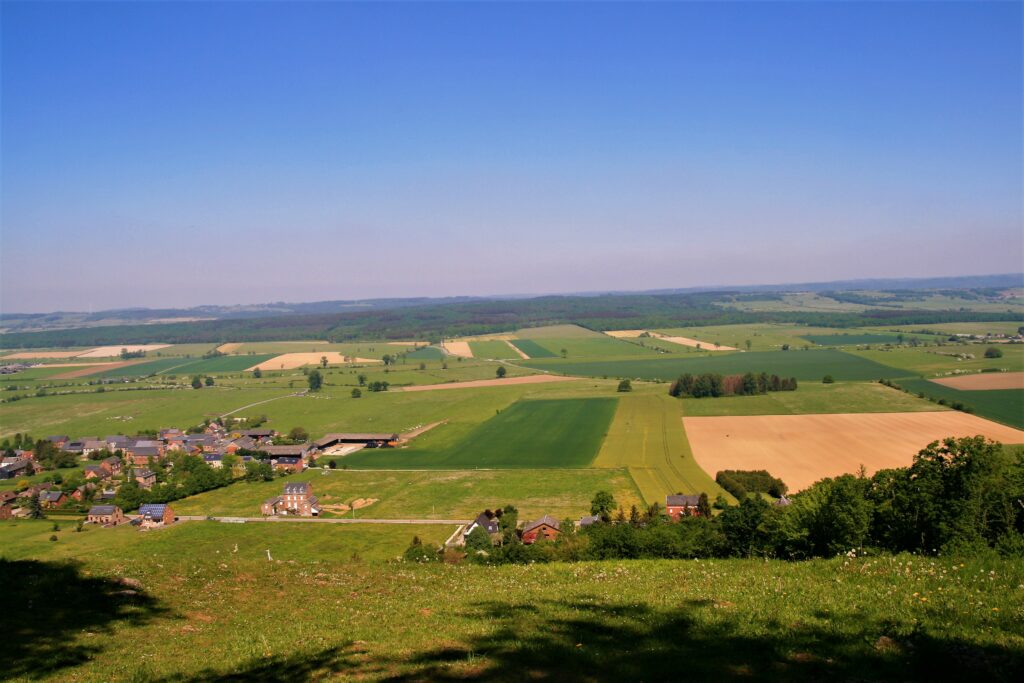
x: 647, y: 437
x: 206, y: 366
x: 533, y: 349
x: 1001, y: 405
x: 812, y: 398
x: 855, y: 339
x: 529, y: 434
x: 430, y: 495
x: 206, y: 604
x: 804, y: 365
x: 426, y: 353
x: 492, y: 349
x: 762, y: 336
x: 149, y: 367
x: 1008, y: 327
x: 556, y: 332
x: 944, y: 359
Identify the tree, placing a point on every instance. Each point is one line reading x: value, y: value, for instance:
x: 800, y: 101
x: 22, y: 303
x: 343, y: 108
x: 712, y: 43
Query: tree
x: 827, y: 379
x: 500, y: 372
x: 785, y: 347
x: 602, y: 505
x: 208, y: 381
x: 748, y: 344
x: 35, y: 508
x: 634, y: 516
x: 257, y: 373
x: 478, y: 539
x: 625, y: 385
x: 197, y: 382
x: 362, y: 380
x: 703, y: 505
x: 993, y: 352
x: 565, y: 353
x: 356, y: 393
x: 315, y: 380
x: 298, y: 434
x: 323, y: 361
x: 257, y: 470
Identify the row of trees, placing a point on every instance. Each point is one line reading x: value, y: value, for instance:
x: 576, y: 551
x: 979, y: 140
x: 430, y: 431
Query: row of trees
x: 740, y: 483
x: 714, y: 385
x: 959, y: 496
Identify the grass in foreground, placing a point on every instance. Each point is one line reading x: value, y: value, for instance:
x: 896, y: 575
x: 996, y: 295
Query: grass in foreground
x: 217, y: 615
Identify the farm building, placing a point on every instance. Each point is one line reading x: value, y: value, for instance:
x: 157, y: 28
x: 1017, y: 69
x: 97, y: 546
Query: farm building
x: 52, y: 499
x: 297, y: 499
x: 288, y: 463
x: 546, y: 527
x: 18, y: 468
x: 106, y: 515
x: 589, y: 520
x: 155, y: 515
x: 368, y: 439
x: 297, y: 451
x: 681, y: 506
x: 488, y: 524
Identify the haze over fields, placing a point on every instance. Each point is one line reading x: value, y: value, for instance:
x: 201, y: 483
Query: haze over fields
x: 244, y: 153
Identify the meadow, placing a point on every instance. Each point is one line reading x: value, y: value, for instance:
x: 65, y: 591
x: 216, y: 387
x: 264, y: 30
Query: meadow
x: 201, y: 602
x: 855, y: 339
x: 529, y: 434
x: 443, y: 494
x: 1001, y: 405
x: 944, y: 360
x: 492, y: 349
x: 533, y: 349
x: 804, y: 365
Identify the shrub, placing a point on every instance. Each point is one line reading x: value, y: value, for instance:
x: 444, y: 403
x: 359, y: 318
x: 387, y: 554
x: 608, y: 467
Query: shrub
x: 827, y: 379
x: 993, y: 352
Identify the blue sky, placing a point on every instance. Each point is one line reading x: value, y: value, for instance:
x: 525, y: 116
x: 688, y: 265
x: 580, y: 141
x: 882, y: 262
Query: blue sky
x: 173, y: 154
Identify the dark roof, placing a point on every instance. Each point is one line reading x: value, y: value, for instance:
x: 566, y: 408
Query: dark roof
x: 288, y: 460
x: 546, y: 519
x: 297, y: 488
x: 51, y: 496
x: 145, y: 473
x: 331, y: 439
x: 257, y: 433
x: 682, y: 501
x: 102, y: 509
x: 112, y: 460
x: 146, y: 450
x: 57, y: 438
x: 213, y: 457
x: 148, y: 443
x: 152, y: 509
x: 590, y: 519
x: 489, y: 524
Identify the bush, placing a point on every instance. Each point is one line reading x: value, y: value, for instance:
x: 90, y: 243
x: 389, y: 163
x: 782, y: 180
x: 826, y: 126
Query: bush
x: 625, y: 385
x: 993, y: 352
x: 827, y: 379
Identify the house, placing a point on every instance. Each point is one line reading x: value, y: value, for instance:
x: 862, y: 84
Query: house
x: 107, y: 495
x: 77, y: 447
x: 141, y: 455
x: 153, y: 515
x: 96, y: 472
x: 489, y: 524
x: 288, y: 463
x: 589, y: 520
x: 118, y: 442
x: 257, y: 434
x: 106, y: 515
x: 19, y: 468
x: 171, y: 434
x: 52, y: 499
x: 82, y: 492
x: 545, y: 528
x: 112, y: 465
x: 298, y: 451
x: 368, y: 439
x: 6, y: 510
x: 297, y: 499
x: 58, y: 441
x: 145, y: 478
x: 782, y: 501
x: 7, y: 497
x: 90, y: 446
x: 681, y: 506
x: 214, y: 460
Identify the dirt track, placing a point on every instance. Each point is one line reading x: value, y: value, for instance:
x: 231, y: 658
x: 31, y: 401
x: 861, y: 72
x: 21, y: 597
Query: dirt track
x: 985, y: 380
x: 474, y: 384
x: 801, y: 449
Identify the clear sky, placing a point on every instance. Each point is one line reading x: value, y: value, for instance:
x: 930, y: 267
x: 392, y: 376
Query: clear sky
x: 174, y: 154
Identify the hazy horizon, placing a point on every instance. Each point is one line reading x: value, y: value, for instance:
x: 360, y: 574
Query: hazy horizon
x: 168, y: 155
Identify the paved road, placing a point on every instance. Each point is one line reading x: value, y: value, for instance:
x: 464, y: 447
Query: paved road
x: 321, y: 520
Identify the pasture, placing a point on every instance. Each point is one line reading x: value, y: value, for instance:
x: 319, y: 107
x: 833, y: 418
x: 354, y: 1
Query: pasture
x: 536, y: 433
x: 460, y: 494
x: 943, y: 360
x: 220, y: 364
x: 647, y: 437
x: 532, y: 349
x: 1002, y: 405
x: 801, y: 449
x: 426, y: 353
x: 856, y: 338
x: 144, y: 369
x: 492, y: 349
x: 804, y: 365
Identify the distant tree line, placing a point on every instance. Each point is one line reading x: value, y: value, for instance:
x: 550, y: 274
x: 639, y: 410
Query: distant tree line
x: 714, y: 385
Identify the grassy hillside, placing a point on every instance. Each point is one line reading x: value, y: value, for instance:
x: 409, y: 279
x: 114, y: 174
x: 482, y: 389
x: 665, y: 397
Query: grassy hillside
x: 202, y: 603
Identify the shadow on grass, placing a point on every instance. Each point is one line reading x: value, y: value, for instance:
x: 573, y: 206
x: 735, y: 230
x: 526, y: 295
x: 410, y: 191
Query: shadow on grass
x: 56, y: 617
x: 590, y: 640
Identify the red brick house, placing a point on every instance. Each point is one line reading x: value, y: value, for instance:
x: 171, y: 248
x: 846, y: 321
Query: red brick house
x: 297, y: 499
x: 145, y: 478
x: 288, y: 463
x: 546, y: 527
x: 681, y: 506
x: 105, y: 515
x: 52, y: 499
x: 6, y: 510
x: 111, y: 465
